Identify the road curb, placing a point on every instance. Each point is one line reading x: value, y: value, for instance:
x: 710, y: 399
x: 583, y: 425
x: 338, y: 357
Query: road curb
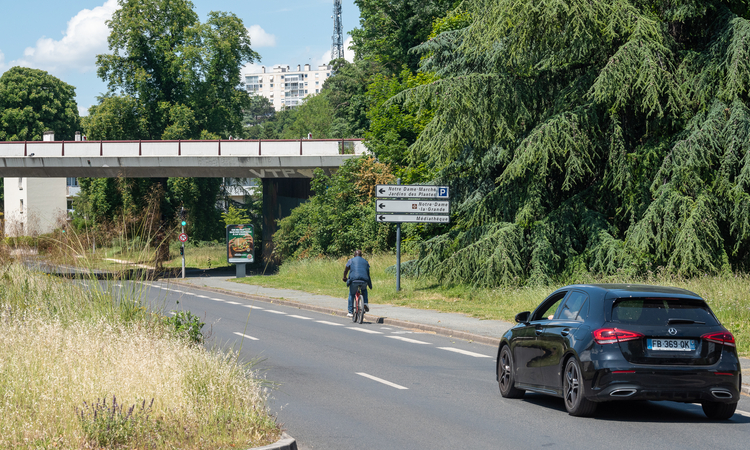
x: 285, y: 443
x: 441, y: 331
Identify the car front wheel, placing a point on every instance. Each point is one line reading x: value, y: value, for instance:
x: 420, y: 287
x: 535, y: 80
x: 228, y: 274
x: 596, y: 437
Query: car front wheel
x: 575, y: 402
x: 505, y: 378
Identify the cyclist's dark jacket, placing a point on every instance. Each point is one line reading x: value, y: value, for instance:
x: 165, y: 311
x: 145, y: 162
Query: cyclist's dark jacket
x: 359, y: 270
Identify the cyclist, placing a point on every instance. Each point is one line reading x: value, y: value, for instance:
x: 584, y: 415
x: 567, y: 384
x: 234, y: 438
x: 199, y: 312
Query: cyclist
x: 359, y: 271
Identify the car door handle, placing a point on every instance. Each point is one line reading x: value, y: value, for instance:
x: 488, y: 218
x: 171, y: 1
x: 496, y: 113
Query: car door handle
x: 565, y: 332
x: 538, y: 331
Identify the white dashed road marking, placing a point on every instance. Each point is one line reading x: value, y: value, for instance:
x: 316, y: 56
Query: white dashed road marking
x: 300, y: 317
x: 246, y: 336
x: 380, y: 380
x: 233, y: 303
x: 464, y: 352
x: 413, y: 341
x: 253, y: 307
x: 742, y: 413
x: 274, y: 311
x: 365, y: 330
x: 330, y: 323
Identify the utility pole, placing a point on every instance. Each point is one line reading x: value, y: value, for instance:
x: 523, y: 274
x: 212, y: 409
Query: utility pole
x: 337, y: 48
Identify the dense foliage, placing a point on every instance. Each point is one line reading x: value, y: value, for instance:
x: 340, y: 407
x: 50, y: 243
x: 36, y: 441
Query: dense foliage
x: 595, y: 136
x: 340, y: 216
x: 32, y: 102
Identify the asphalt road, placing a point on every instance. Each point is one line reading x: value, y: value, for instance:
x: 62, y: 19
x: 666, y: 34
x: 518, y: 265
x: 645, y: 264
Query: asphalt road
x: 341, y: 385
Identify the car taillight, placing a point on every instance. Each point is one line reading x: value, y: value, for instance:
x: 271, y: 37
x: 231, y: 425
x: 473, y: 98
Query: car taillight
x: 613, y: 335
x: 721, y: 337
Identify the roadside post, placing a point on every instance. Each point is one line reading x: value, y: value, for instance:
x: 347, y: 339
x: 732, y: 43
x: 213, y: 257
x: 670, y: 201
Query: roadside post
x: 411, y: 204
x: 240, y: 247
x: 183, y: 238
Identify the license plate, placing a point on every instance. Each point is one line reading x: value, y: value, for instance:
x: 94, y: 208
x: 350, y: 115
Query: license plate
x: 674, y: 345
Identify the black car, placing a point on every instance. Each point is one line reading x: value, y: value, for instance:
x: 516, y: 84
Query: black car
x: 608, y: 342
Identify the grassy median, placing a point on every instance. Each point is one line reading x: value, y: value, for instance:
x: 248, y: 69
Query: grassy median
x: 82, y: 368
x: 727, y: 296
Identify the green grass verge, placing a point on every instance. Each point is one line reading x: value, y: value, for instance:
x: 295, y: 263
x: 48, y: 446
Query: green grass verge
x: 727, y: 296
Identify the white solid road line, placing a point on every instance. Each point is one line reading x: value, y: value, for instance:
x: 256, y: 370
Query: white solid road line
x: 300, y: 317
x: 380, y: 380
x: 274, y: 311
x: 246, y: 336
x: 413, y: 341
x: 464, y: 352
x: 365, y: 330
x: 330, y: 323
x: 742, y: 413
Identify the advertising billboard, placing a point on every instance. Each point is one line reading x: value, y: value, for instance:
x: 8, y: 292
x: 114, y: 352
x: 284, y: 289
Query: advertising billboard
x: 240, y: 244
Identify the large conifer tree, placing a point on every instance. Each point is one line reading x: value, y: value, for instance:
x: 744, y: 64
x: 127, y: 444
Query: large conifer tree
x: 589, y: 135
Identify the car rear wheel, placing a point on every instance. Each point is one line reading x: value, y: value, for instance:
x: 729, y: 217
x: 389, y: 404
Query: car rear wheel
x: 505, y: 378
x: 575, y: 402
x: 719, y: 411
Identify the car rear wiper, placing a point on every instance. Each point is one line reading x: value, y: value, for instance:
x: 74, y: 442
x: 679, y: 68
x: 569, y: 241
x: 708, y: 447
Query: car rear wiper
x: 688, y: 321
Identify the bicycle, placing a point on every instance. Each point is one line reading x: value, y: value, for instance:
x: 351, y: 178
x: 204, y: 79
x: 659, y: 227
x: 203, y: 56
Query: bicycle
x: 358, y: 314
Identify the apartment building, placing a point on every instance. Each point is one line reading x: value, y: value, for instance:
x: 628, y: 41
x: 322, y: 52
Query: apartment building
x: 284, y: 87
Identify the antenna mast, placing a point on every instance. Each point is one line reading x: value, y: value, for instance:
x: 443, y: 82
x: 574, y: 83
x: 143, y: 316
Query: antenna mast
x: 337, y: 48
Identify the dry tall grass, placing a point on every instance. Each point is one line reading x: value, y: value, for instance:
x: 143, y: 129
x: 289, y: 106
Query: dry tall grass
x: 64, y: 350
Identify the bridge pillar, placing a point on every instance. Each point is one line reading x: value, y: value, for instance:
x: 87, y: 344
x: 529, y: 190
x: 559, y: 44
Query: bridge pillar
x: 280, y: 196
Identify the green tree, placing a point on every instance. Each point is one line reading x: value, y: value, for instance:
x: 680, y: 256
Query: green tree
x: 259, y: 110
x: 169, y: 77
x: 32, y: 102
x: 588, y: 136
x: 346, y: 91
x: 184, y: 75
x: 116, y: 118
x: 340, y: 216
x: 390, y: 28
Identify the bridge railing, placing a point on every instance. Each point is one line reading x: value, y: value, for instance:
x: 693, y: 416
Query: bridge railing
x: 91, y: 149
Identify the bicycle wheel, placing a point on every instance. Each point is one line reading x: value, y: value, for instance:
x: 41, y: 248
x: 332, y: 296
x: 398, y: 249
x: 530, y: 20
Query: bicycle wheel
x: 355, y: 312
x: 361, y: 308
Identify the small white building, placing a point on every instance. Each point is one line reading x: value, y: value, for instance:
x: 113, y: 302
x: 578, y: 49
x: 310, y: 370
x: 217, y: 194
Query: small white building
x: 34, y: 206
x: 286, y: 88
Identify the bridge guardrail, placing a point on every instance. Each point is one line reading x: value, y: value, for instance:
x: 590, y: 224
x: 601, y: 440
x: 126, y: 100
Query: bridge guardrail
x: 92, y: 149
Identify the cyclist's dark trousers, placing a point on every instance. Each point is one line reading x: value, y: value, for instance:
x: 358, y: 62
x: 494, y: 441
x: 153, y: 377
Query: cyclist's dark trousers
x: 352, y: 292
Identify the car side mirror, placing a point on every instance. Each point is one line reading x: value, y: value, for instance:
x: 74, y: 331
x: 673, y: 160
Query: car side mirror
x: 523, y: 317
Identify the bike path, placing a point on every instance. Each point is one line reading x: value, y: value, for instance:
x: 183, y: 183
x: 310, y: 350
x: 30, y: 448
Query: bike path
x: 446, y: 324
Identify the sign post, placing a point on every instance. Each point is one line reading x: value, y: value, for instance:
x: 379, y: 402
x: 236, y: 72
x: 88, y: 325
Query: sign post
x: 240, y: 247
x: 411, y: 204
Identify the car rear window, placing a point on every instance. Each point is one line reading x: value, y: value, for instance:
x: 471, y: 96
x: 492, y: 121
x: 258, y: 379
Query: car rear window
x: 657, y: 311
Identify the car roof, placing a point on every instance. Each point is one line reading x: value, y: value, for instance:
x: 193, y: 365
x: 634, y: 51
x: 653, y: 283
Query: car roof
x: 635, y: 290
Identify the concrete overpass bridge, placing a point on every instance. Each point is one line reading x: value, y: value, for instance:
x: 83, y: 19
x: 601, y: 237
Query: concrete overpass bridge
x: 284, y: 166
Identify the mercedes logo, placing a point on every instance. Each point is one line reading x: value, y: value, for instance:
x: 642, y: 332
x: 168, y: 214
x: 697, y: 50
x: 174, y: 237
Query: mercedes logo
x: 672, y: 331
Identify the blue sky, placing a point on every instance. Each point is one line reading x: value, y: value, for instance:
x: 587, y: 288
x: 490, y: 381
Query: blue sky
x: 63, y: 37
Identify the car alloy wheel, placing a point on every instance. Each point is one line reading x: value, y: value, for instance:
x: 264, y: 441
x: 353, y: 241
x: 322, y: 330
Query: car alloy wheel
x: 505, y: 375
x: 575, y: 402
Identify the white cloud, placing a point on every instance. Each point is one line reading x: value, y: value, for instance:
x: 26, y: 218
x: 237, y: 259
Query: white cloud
x: 85, y: 37
x: 326, y: 57
x: 259, y: 37
x: 2, y: 62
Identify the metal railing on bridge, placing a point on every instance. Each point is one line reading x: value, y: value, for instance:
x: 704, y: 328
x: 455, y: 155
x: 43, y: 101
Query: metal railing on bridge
x: 236, y: 148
